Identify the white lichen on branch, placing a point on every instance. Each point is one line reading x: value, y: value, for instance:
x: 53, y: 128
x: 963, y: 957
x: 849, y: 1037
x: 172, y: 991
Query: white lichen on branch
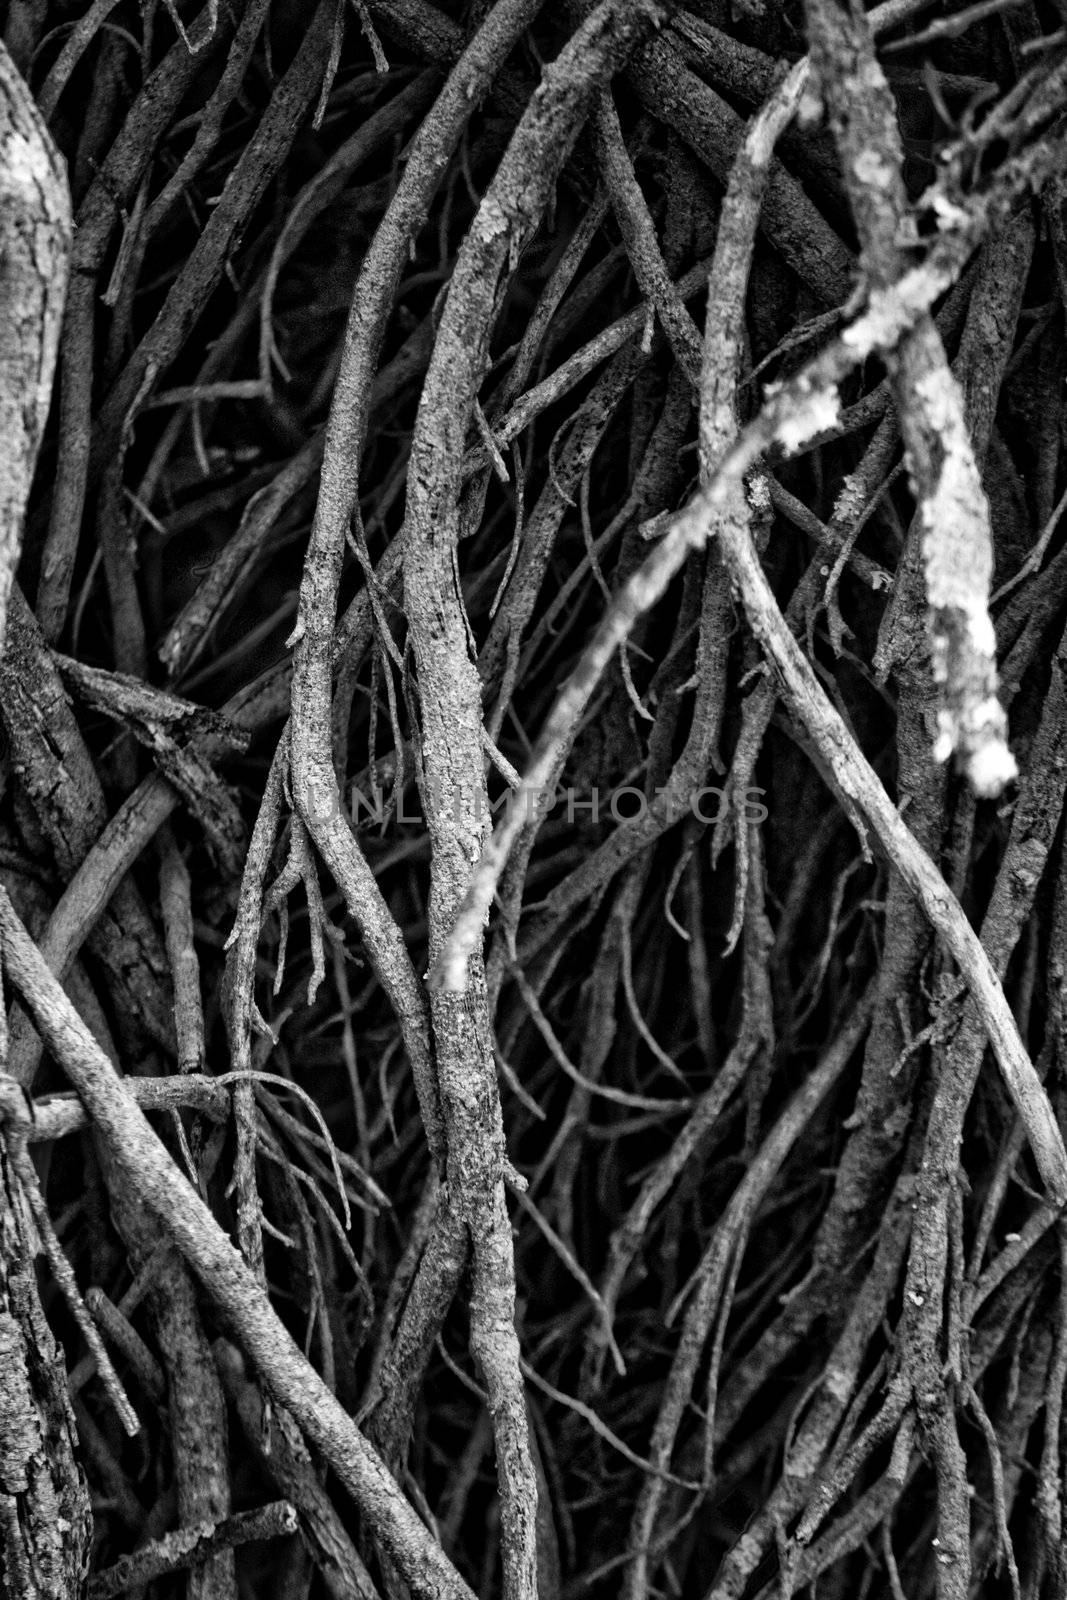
x: 958, y: 563
x: 814, y: 411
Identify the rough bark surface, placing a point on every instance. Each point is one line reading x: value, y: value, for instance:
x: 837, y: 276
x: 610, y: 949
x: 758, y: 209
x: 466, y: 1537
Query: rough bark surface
x: 533, y: 753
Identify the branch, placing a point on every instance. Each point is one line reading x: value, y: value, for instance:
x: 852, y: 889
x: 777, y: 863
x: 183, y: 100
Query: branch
x: 139, y: 1153
x: 35, y: 242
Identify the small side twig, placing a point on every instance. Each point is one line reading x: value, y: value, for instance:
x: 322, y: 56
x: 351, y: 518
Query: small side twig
x: 188, y: 1547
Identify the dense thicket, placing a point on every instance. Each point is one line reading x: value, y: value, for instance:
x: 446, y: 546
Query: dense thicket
x: 534, y: 711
